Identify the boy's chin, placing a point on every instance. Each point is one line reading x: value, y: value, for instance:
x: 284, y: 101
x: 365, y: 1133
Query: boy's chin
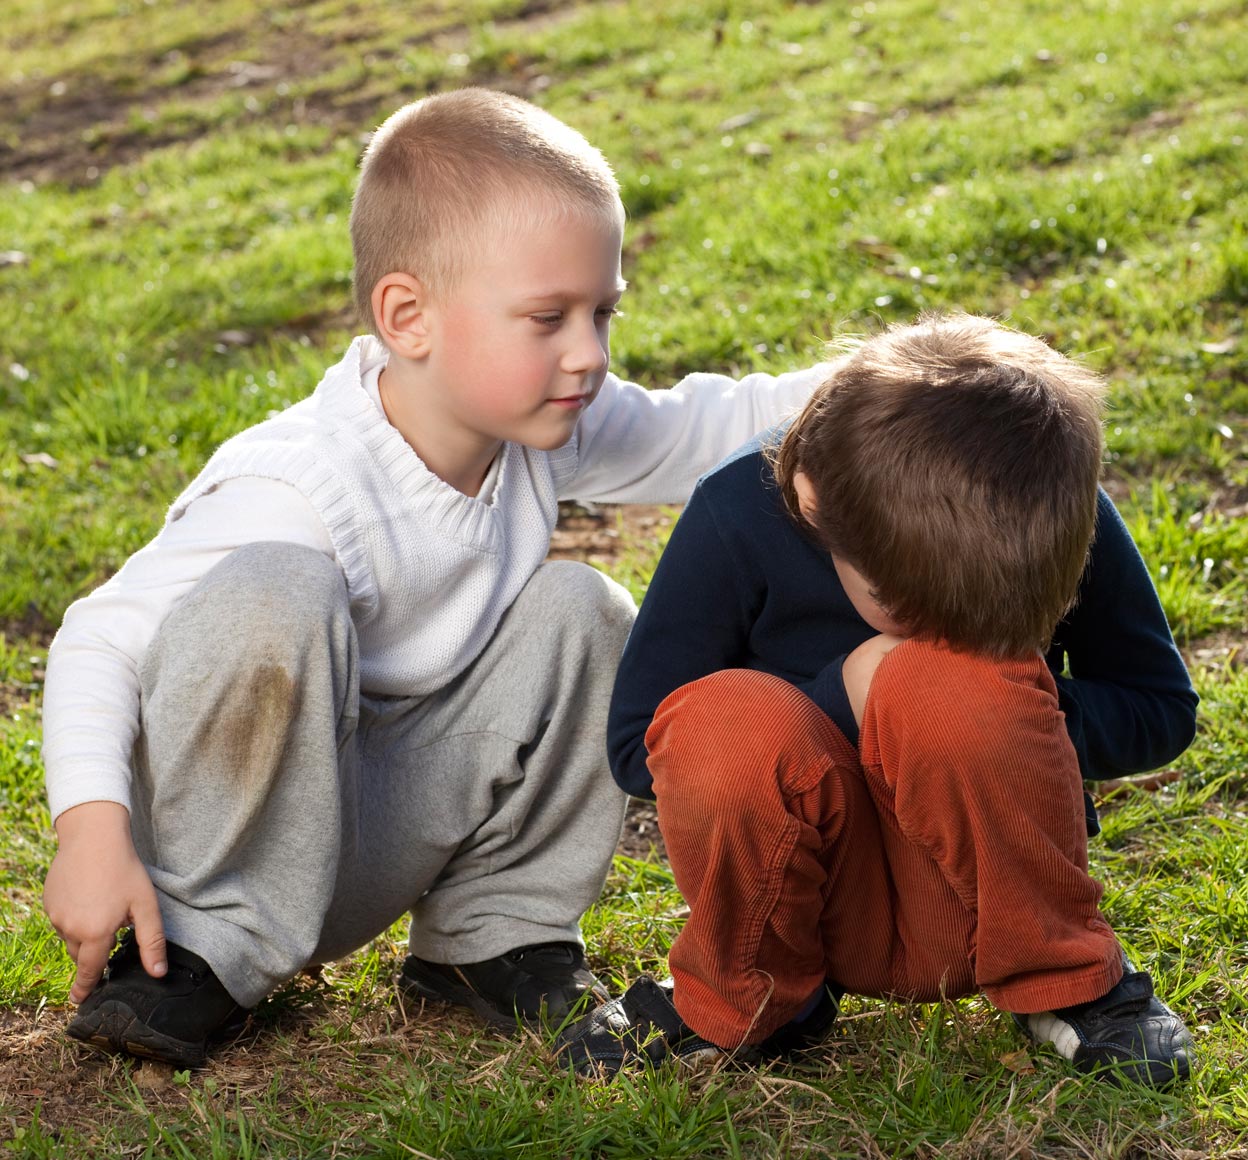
x: 546, y: 443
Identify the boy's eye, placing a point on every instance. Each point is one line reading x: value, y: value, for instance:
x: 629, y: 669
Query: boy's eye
x: 555, y: 317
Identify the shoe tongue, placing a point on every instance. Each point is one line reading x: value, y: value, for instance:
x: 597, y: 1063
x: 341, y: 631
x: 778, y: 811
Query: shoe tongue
x: 187, y: 960
x: 646, y: 998
x: 1132, y: 993
x: 561, y: 953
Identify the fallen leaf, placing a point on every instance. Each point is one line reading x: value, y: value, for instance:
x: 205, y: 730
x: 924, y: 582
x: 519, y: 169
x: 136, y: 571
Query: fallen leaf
x: 1224, y: 347
x: 39, y: 459
x: 153, y: 1076
x: 877, y: 248
x: 1019, y: 1062
x: 1146, y: 783
x: 738, y: 122
x: 246, y: 72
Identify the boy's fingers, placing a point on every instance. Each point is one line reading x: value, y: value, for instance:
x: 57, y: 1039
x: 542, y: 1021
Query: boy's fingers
x: 149, y: 932
x: 92, y: 957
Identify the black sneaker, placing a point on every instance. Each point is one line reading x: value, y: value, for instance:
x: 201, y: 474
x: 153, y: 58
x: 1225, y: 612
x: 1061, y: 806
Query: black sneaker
x: 172, y: 1019
x: 643, y: 1027
x: 640, y: 1027
x: 535, y: 984
x: 801, y: 1035
x: 1128, y: 1032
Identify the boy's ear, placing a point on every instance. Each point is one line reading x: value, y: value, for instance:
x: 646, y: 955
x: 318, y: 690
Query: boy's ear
x: 807, y: 500
x: 400, y: 302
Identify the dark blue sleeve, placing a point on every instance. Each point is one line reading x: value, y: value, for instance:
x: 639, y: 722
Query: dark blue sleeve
x: 1128, y: 700
x: 695, y: 620
x: 827, y: 690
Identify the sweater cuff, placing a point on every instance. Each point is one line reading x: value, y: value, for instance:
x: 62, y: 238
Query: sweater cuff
x: 79, y: 787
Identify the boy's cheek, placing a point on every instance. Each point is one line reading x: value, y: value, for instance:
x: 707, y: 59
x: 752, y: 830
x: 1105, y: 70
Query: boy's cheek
x: 882, y: 622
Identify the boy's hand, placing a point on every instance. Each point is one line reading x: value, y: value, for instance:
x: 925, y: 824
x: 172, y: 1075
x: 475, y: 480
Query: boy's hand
x: 96, y: 885
x: 859, y: 669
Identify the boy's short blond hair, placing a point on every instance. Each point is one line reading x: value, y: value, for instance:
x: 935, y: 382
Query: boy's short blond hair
x: 955, y: 465
x: 443, y: 174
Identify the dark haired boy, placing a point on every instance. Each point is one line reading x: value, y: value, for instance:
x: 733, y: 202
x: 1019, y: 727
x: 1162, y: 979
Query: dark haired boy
x: 872, y: 668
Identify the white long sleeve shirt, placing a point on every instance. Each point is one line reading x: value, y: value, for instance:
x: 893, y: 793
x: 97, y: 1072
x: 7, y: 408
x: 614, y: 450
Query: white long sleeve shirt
x: 429, y: 570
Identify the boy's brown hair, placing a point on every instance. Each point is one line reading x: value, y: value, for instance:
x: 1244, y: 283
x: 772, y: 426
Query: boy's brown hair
x: 955, y: 464
x: 443, y: 174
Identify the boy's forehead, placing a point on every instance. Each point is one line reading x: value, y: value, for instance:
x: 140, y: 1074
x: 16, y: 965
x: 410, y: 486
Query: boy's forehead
x: 554, y: 247
x: 524, y: 210
x: 545, y: 291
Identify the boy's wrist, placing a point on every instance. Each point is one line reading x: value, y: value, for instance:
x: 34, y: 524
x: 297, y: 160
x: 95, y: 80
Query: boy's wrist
x: 96, y: 820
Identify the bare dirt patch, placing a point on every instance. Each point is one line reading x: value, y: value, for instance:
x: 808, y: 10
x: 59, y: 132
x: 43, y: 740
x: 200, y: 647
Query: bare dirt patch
x: 73, y: 128
x: 641, y: 838
x: 600, y: 533
x: 304, y: 1048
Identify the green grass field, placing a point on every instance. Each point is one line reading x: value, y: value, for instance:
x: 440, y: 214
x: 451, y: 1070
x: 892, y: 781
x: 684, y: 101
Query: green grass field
x: 174, y: 265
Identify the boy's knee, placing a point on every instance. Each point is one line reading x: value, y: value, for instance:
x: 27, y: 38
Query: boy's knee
x: 737, y: 729
x: 266, y: 573
x: 733, y: 704
x: 581, y: 596
x: 962, y: 711
x: 262, y: 599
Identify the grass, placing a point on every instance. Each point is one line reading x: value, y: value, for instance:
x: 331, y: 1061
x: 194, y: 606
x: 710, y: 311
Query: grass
x: 174, y: 265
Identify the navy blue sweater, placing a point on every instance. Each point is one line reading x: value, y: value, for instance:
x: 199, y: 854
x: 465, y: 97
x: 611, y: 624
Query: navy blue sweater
x: 739, y: 586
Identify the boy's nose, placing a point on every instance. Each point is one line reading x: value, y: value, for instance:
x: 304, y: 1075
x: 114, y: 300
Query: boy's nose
x: 589, y: 354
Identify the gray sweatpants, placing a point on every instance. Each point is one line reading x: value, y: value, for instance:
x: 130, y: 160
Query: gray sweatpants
x: 286, y: 819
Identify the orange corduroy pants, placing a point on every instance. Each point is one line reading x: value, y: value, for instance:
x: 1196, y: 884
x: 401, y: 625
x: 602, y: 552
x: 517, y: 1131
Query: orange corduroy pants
x: 946, y: 855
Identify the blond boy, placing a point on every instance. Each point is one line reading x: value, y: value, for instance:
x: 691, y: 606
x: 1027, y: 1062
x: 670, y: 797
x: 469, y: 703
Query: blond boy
x: 341, y: 684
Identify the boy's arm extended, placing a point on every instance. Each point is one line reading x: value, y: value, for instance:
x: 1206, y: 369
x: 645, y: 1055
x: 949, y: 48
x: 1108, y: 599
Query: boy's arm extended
x: 91, y: 713
x: 639, y: 446
x: 1129, y: 703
